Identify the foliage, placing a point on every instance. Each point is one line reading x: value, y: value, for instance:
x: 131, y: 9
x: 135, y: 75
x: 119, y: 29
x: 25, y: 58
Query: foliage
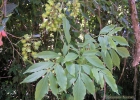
x: 72, y: 48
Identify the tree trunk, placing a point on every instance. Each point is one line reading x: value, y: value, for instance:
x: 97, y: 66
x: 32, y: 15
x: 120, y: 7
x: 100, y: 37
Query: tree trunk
x: 135, y: 24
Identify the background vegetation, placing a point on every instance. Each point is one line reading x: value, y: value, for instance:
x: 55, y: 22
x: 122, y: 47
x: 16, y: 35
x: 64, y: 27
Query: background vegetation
x: 75, y: 25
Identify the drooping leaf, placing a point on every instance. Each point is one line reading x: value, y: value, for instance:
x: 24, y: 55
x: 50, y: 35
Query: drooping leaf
x: 47, y: 55
x: 33, y: 77
x: 39, y: 66
x: 88, y: 83
x: 107, y: 60
x: 96, y: 74
x: 115, y: 58
x: 70, y: 68
x: 120, y: 40
x: 53, y: 84
x: 101, y: 79
x: 107, y: 29
x: 61, y: 77
x: 66, y: 27
x: 42, y: 88
x: 94, y: 60
x: 110, y: 80
x: 79, y: 90
x: 70, y: 57
x: 123, y: 52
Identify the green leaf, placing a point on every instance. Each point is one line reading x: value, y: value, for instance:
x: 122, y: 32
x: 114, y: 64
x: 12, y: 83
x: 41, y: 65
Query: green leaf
x: 94, y: 60
x: 112, y: 43
x: 115, y: 58
x: 70, y: 68
x: 65, y: 49
x: 89, y: 38
x: 86, y: 69
x: 115, y: 30
x: 101, y: 79
x: 66, y: 27
x: 96, y: 74
x: 107, y: 29
x: 42, y: 88
x: 120, y: 40
x: 107, y: 60
x: 39, y: 66
x: 110, y: 80
x: 123, y: 52
x: 53, y: 84
x: 79, y: 90
x: 61, y: 77
x: 33, y: 77
x: 89, y: 52
x: 103, y: 41
x: 47, y: 55
x: 70, y: 57
x: 88, y: 83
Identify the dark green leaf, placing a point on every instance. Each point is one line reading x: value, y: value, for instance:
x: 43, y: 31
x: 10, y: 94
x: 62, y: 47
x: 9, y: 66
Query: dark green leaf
x: 61, y: 77
x: 33, y: 77
x: 88, y: 83
x: 42, y: 88
x: 79, y: 90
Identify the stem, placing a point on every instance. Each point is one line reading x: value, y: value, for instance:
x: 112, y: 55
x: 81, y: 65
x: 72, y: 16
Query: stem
x: 135, y: 83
